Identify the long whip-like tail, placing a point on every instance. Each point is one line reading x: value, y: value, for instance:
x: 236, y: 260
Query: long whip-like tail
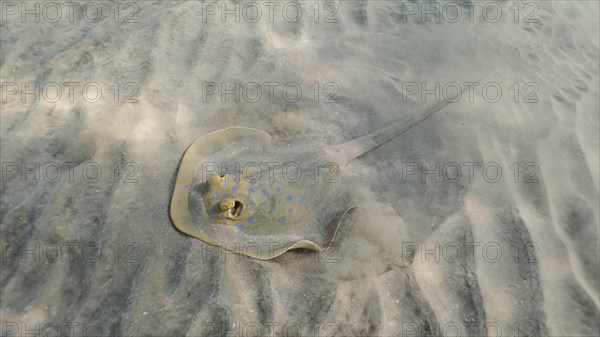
x: 355, y: 148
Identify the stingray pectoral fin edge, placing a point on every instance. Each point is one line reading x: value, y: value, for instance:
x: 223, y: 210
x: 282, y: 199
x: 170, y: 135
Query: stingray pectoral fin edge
x: 307, y: 244
x: 202, y: 147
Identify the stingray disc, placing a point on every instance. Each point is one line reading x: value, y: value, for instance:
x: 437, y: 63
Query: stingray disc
x: 261, y: 217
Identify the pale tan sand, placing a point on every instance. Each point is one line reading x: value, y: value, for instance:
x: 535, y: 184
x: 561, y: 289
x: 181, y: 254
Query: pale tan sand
x: 163, y: 283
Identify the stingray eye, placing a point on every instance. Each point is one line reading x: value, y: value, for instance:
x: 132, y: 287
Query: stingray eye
x: 215, y: 180
x: 232, y: 208
x: 226, y: 204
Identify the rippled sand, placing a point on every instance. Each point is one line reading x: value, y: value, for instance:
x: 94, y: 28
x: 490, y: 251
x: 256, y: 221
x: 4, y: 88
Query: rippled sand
x: 513, y: 253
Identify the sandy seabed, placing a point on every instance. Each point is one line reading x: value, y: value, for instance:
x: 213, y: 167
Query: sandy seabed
x: 483, y: 220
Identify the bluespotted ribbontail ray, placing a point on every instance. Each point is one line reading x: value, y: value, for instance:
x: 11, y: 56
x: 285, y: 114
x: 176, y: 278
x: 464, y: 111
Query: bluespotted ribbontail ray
x: 265, y: 216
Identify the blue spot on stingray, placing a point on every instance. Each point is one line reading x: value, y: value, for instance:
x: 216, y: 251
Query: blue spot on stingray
x: 186, y: 186
x: 214, y: 195
x: 222, y: 217
x: 272, y: 209
x: 264, y: 193
x: 251, y: 190
x: 250, y: 220
x: 214, y: 216
x: 290, y: 210
x: 300, y: 199
x: 251, y: 202
x: 238, y: 225
x: 214, y: 208
x: 264, y: 203
x: 289, y: 197
x: 270, y: 232
x: 234, y: 188
x: 277, y: 189
x: 282, y: 219
x: 225, y: 181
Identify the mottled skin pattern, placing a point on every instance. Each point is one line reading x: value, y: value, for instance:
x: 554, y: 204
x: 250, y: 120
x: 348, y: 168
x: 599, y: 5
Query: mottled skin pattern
x: 259, y: 205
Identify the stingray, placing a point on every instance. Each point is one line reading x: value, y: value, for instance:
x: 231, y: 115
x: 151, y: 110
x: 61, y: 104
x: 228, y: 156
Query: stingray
x: 236, y: 191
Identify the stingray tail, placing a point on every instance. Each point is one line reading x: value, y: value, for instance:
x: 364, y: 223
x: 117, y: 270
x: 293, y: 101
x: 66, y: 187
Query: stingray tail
x: 355, y: 148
